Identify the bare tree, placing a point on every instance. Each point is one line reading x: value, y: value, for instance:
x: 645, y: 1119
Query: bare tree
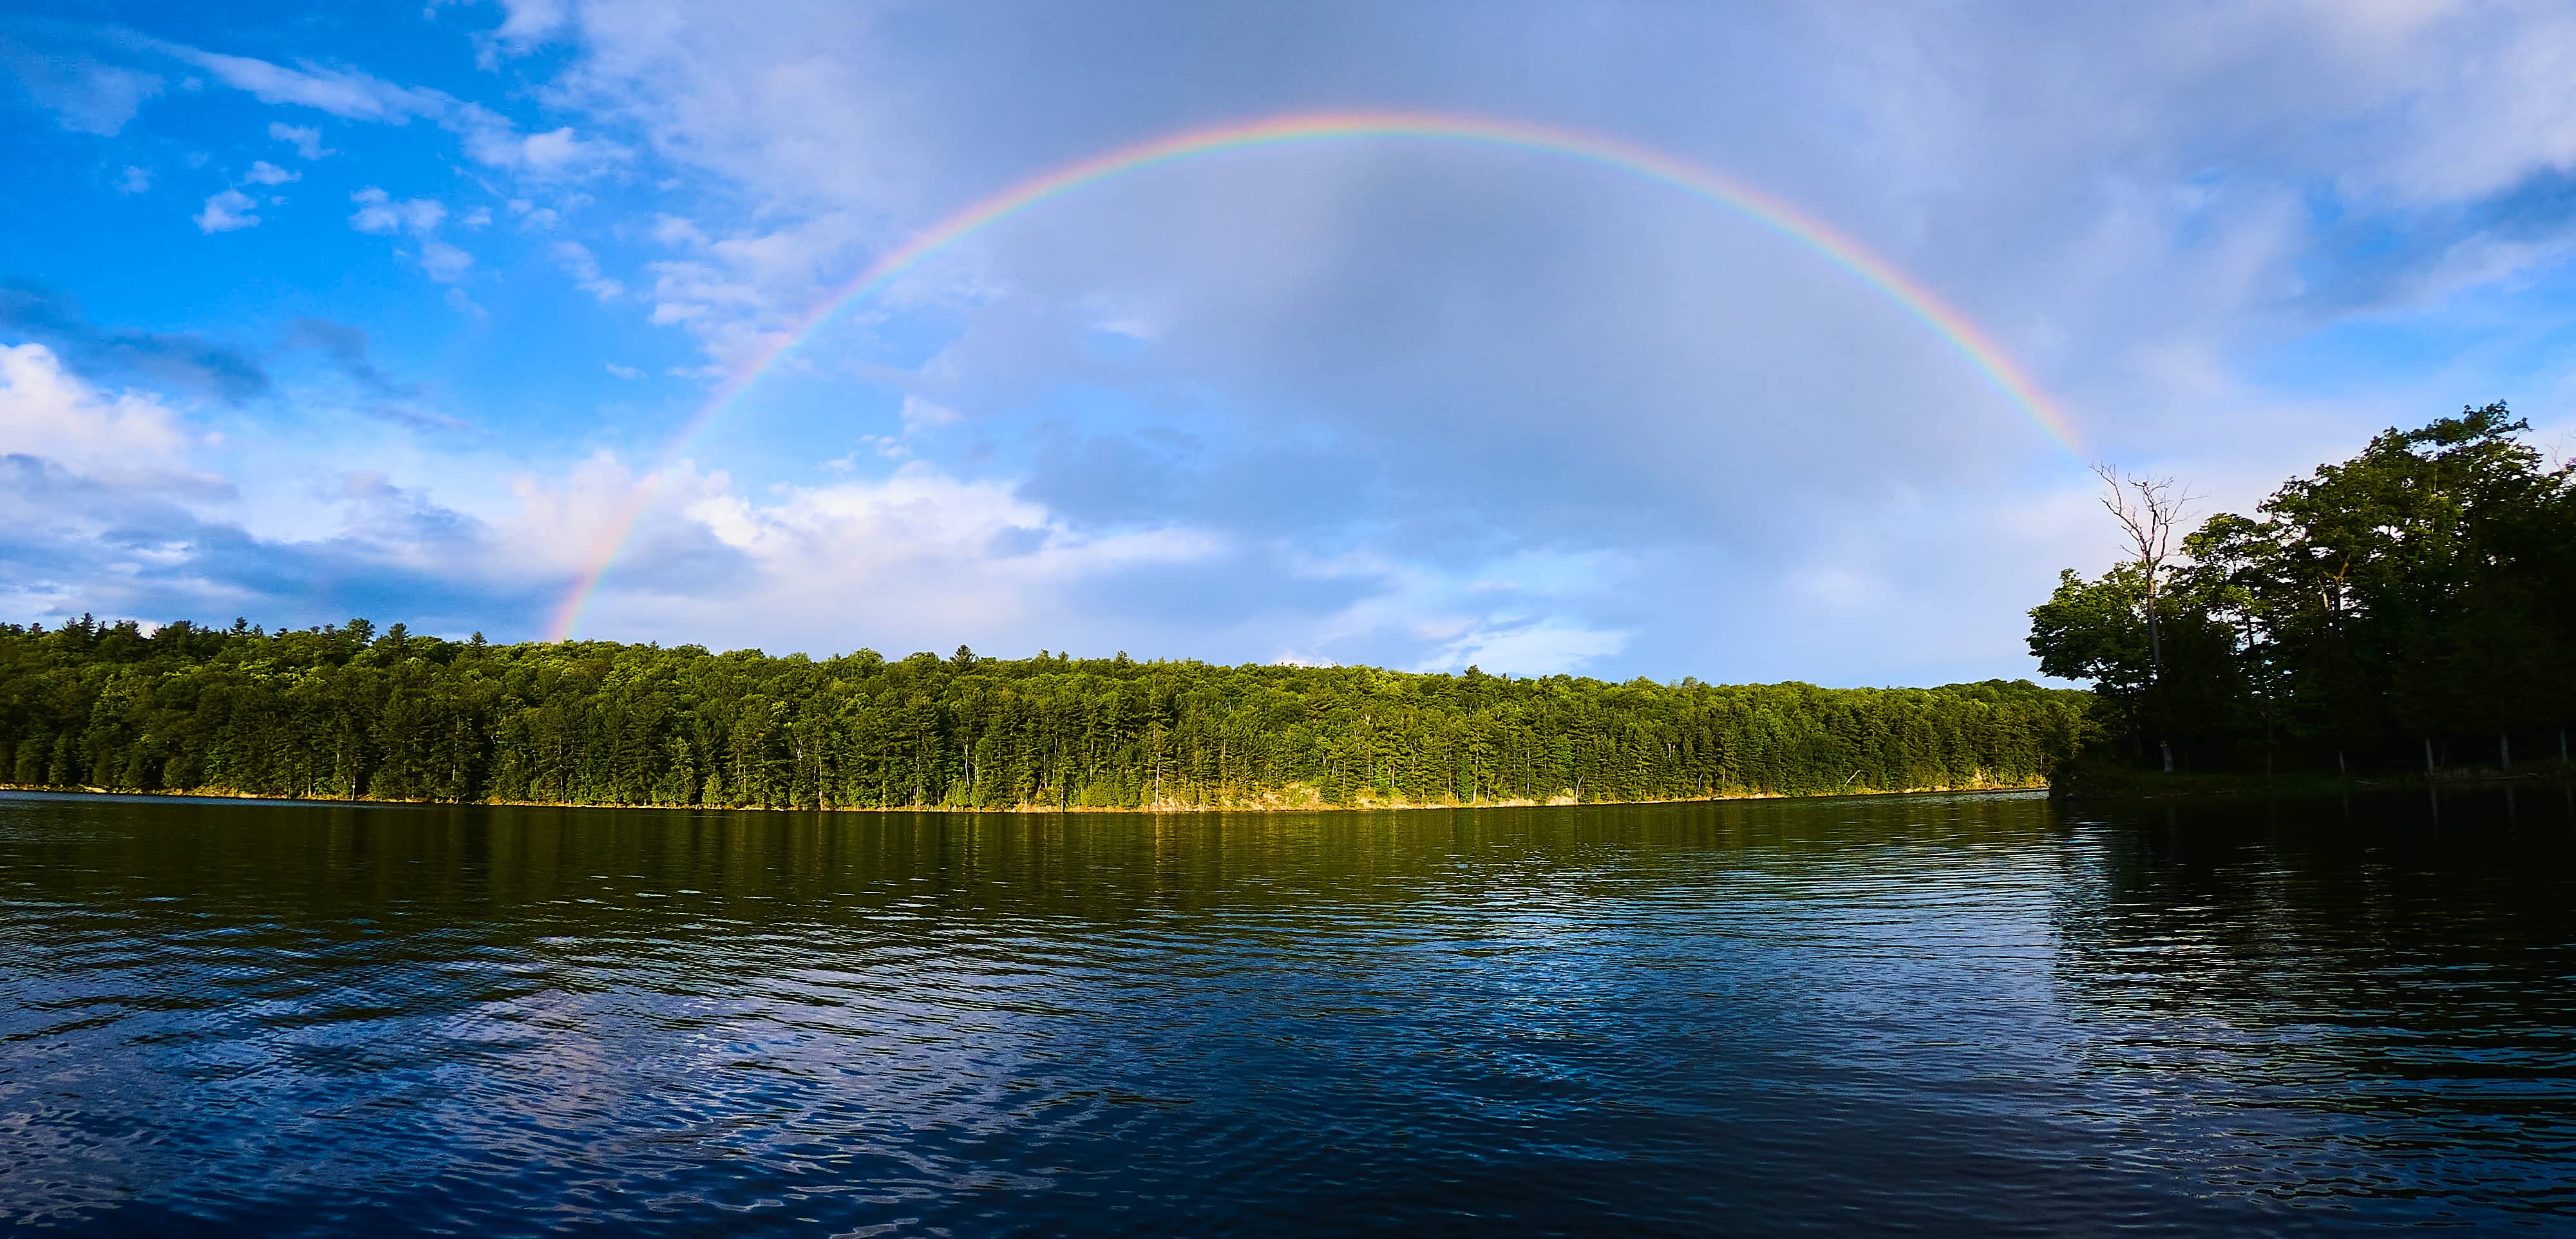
x: 2149, y: 510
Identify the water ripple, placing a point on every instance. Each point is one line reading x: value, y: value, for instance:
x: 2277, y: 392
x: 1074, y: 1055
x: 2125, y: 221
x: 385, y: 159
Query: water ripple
x: 1946, y: 1015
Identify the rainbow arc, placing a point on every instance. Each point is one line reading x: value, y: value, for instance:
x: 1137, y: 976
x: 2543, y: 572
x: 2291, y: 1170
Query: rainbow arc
x: 1599, y: 150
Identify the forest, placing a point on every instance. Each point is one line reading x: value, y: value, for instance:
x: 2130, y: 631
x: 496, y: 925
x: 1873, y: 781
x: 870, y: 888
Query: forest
x: 2413, y: 607
x: 341, y: 711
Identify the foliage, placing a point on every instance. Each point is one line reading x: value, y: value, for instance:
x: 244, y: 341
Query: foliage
x: 337, y: 711
x: 2420, y: 593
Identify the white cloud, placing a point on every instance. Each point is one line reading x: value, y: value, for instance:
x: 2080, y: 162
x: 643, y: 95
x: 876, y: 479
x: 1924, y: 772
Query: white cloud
x: 1546, y: 647
x: 110, y: 509
x: 811, y: 108
x: 554, y: 154
x: 527, y: 21
x: 559, y: 524
x: 487, y: 136
x: 306, y: 140
x: 266, y: 173
x: 48, y: 412
x: 556, y: 150
x: 344, y: 93
x: 380, y: 212
x: 97, y: 492
x: 980, y: 560
x: 385, y: 215
x: 675, y: 231
x: 226, y: 212
x: 84, y: 95
x: 937, y: 558
x: 525, y: 24
x: 921, y: 414
x: 445, y: 263
x: 577, y: 259
x: 1520, y: 614
x: 742, y: 293
x: 624, y: 372
x: 134, y: 180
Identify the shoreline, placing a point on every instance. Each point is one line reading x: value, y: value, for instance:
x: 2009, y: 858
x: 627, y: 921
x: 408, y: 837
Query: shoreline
x: 1165, y: 808
x: 2096, y: 785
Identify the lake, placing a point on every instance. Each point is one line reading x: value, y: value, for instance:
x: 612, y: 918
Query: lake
x: 1948, y: 1015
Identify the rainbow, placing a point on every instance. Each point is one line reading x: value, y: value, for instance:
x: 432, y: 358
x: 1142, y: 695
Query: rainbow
x: 1599, y: 150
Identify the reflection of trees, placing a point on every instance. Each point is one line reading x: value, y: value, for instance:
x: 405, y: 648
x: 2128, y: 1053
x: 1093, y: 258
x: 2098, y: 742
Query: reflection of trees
x: 2408, y: 980
x: 481, y: 914
x: 516, y: 874
x: 540, y: 906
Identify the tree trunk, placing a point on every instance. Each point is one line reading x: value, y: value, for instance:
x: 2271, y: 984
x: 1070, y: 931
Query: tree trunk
x: 2504, y: 750
x: 2428, y: 754
x: 2155, y: 636
x: 2166, y: 747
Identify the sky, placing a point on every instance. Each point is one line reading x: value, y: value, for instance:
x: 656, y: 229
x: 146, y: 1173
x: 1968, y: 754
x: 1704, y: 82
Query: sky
x: 439, y: 314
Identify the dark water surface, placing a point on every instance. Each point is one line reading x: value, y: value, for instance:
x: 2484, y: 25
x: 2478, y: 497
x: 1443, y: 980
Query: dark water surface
x: 1935, y: 1015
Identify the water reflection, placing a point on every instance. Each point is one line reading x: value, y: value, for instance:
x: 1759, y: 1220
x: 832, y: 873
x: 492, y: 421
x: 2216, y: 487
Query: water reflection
x: 1949, y: 1014
x: 2352, y: 982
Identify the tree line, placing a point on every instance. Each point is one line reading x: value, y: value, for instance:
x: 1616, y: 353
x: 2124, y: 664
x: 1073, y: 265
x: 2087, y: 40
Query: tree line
x: 2414, y: 604
x: 339, y: 711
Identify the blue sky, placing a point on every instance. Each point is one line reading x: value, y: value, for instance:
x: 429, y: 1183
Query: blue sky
x: 311, y: 313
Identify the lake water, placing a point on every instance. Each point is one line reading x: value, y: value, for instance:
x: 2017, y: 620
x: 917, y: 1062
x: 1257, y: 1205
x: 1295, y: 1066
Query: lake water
x: 1938, y: 1015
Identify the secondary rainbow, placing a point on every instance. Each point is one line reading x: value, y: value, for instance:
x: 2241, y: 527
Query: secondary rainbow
x: 1597, y: 149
